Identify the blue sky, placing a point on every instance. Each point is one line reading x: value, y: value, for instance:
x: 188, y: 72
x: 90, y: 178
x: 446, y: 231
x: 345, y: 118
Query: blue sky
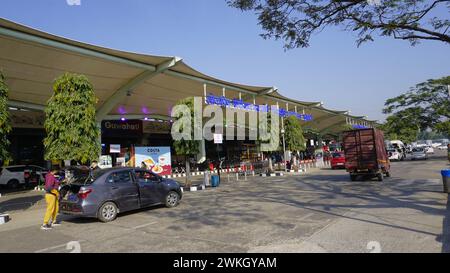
x: 223, y: 42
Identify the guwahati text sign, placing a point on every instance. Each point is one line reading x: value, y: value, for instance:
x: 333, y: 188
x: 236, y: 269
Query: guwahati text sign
x: 119, y: 128
x: 156, y: 159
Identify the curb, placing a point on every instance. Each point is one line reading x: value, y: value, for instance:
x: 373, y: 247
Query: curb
x: 272, y: 174
x: 4, y: 218
x: 299, y: 171
x: 183, y: 175
x: 38, y: 189
x: 193, y: 188
x: 231, y: 170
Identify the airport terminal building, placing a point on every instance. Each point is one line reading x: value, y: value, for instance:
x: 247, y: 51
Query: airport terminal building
x: 136, y: 93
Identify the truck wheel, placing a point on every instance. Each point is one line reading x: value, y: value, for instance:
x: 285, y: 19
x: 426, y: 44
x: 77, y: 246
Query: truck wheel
x: 380, y: 177
x: 107, y: 212
x: 353, y: 177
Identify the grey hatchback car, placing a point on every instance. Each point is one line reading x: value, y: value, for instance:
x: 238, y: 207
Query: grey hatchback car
x: 108, y: 192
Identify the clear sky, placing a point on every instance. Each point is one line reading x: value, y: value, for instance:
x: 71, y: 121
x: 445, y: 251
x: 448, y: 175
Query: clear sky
x: 224, y: 42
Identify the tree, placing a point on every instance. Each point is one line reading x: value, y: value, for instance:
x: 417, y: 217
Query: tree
x: 295, y: 21
x: 72, y: 131
x: 295, y: 141
x: 425, y: 106
x: 397, y: 128
x: 270, y: 142
x: 5, y: 124
x: 186, y: 147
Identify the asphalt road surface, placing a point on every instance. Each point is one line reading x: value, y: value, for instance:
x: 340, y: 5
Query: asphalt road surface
x: 321, y: 211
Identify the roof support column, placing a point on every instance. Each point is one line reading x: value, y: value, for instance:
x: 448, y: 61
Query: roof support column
x: 121, y: 93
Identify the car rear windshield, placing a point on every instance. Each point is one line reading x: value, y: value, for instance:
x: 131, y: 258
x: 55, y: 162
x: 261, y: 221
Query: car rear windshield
x: 337, y: 155
x: 94, y: 175
x: 417, y: 150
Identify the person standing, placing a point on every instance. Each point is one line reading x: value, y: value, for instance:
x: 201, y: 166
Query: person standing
x: 51, y: 199
x: 94, y: 165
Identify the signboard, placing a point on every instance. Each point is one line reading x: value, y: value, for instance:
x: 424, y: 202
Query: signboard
x: 239, y: 103
x: 156, y: 159
x: 119, y: 128
x: 218, y: 138
x: 114, y: 148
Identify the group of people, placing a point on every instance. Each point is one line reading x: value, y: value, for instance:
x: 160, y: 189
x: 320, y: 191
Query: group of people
x: 52, y: 197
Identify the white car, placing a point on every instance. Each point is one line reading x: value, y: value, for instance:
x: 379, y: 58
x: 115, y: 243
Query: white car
x: 394, y: 154
x: 419, y: 153
x: 442, y: 147
x: 429, y: 150
x: 14, y: 176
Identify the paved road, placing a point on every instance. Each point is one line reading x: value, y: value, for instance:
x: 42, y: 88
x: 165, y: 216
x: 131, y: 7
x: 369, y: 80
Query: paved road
x: 319, y: 212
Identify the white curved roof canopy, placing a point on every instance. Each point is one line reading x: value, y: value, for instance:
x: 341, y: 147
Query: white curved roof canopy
x: 127, y: 84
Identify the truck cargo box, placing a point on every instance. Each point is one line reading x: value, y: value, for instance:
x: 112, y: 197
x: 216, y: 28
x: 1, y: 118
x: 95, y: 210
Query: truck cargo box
x: 365, y: 153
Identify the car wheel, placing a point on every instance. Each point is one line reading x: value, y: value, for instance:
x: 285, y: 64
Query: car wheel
x: 172, y: 199
x: 107, y: 212
x: 380, y: 177
x: 388, y: 174
x: 353, y: 177
x: 13, y: 184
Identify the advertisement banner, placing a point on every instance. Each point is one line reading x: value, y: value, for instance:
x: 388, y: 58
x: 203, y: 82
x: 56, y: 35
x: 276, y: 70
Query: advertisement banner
x: 156, y: 159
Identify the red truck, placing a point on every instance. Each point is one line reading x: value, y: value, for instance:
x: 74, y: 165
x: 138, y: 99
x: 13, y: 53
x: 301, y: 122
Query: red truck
x: 365, y: 153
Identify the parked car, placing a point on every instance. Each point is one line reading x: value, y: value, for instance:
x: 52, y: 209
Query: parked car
x: 14, y: 176
x: 442, y: 147
x: 429, y: 150
x: 108, y: 192
x: 338, y: 160
x: 419, y: 153
x: 395, y: 154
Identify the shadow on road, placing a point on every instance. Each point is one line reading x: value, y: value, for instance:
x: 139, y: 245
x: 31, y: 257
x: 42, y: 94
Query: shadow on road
x: 445, y: 239
x: 22, y: 189
x: 20, y: 203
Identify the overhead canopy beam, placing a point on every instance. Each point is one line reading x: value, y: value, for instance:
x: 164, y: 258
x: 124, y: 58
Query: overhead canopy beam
x: 75, y: 49
x: 209, y: 82
x: 327, y: 129
x: 327, y: 116
x: 122, y: 92
x: 25, y: 105
x: 261, y: 93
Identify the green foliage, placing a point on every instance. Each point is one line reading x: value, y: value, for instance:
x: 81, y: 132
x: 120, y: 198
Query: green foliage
x: 395, y: 129
x: 295, y: 21
x: 5, y: 123
x: 72, y: 131
x: 187, y: 147
x: 426, y: 106
x: 295, y: 141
